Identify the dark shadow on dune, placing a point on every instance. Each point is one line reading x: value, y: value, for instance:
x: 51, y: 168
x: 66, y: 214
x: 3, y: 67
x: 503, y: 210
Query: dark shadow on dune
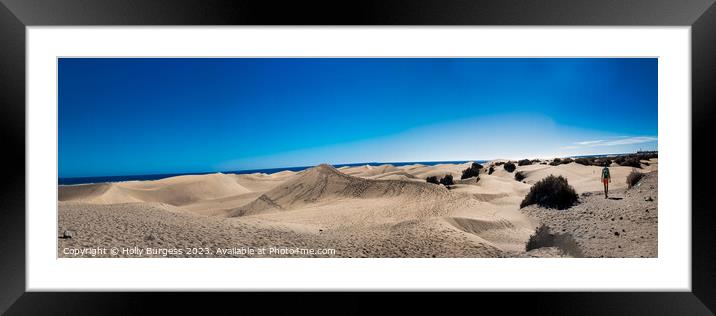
x: 616, y: 198
x: 544, y: 238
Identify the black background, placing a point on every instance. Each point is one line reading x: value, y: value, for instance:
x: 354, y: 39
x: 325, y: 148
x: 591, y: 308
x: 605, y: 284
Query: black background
x: 16, y: 14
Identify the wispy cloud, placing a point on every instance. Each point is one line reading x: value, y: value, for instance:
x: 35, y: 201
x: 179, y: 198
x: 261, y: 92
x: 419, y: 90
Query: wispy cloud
x: 621, y: 140
x: 630, y: 140
x: 589, y: 142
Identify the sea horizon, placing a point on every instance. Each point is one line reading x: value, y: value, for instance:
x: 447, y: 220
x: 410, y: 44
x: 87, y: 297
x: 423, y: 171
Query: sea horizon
x: 159, y: 176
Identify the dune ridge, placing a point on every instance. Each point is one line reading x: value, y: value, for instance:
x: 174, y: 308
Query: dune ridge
x: 180, y: 190
x: 325, y: 182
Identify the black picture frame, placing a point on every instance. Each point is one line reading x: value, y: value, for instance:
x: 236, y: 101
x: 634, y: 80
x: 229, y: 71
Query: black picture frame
x: 16, y: 15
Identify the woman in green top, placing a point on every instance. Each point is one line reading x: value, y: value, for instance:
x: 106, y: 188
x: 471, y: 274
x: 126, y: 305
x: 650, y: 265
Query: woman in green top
x: 606, y: 178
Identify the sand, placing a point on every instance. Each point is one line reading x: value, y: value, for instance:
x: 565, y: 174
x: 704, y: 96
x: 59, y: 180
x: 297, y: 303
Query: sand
x: 363, y: 211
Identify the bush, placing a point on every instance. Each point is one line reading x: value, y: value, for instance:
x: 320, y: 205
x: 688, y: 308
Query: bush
x: 534, y: 161
x: 632, y: 160
x: 556, y: 162
x: 524, y: 162
x: 633, y: 178
x: 585, y: 161
x: 472, y: 171
x: 509, y: 166
x: 602, y: 161
x: 560, y: 161
x: 628, y: 162
x: 551, y: 192
x: 432, y: 179
x: 491, y: 170
x: 447, y: 180
x: 519, y: 176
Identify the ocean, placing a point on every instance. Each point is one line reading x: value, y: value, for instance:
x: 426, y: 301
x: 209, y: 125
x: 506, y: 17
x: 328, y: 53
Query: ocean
x: 102, y: 179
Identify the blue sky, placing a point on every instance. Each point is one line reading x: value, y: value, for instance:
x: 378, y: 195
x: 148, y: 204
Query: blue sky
x: 124, y: 116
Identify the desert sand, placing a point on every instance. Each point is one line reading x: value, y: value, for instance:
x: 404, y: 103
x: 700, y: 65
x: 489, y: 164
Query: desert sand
x: 364, y: 211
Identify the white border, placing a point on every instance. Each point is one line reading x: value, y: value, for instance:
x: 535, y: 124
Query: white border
x: 670, y: 271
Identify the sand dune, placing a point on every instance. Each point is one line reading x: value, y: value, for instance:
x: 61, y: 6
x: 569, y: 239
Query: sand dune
x: 325, y: 183
x: 363, y: 211
x: 440, y: 170
x: 396, y: 175
x: 102, y: 193
x: 261, y: 182
x: 582, y: 178
x: 368, y: 170
x: 177, y: 191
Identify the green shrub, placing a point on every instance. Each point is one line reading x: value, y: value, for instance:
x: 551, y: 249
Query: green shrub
x: 556, y: 162
x: 585, y: 161
x: 567, y: 160
x: 509, y: 166
x: 432, y: 179
x: 551, y: 192
x: 519, y: 176
x: 447, y: 180
x: 524, y: 162
x: 628, y: 162
x: 491, y: 170
x: 472, y: 171
x: 633, y: 178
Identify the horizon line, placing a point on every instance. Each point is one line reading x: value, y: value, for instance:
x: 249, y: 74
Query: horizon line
x: 334, y: 164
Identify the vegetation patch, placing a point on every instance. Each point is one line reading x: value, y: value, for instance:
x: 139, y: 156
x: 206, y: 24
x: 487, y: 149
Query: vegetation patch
x: 472, y: 171
x: 551, y: 192
x: 509, y: 166
x: 433, y: 180
x: 447, y: 180
x: 633, y: 178
x: 628, y: 161
x: 524, y: 162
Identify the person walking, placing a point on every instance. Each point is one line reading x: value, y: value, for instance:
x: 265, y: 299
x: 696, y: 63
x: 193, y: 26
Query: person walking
x: 606, y: 178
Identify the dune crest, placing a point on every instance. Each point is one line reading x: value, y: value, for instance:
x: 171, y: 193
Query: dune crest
x: 324, y: 182
x: 177, y: 191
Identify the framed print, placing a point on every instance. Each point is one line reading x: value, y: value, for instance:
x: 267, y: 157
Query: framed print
x: 553, y: 150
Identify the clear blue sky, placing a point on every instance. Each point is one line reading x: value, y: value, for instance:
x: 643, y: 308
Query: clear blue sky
x: 145, y: 116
